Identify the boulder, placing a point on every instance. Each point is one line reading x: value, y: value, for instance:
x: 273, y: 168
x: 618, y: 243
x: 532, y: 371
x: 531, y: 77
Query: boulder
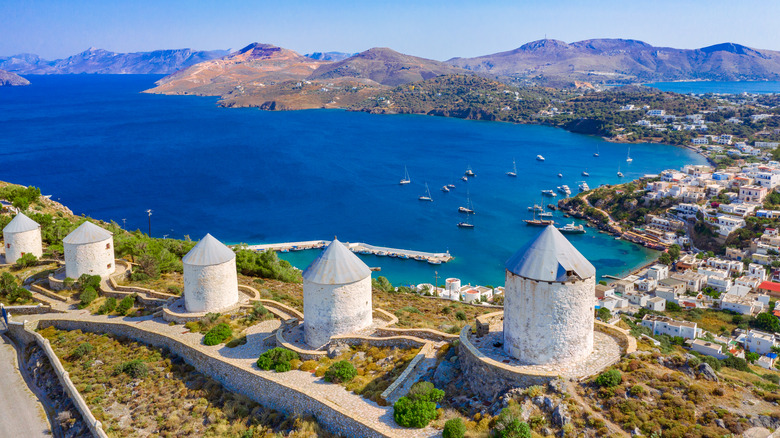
x: 337, y: 349
x: 720, y: 423
x: 707, y: 373
x: 560, y: 416
x: 445, y: 373
x: 557, y: 386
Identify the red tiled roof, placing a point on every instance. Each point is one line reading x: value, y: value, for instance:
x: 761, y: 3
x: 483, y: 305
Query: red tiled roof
x: 776, y: 313
x: 770, y: 285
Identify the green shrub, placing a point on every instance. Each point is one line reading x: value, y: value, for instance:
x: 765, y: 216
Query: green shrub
x: 87, y: 296
x: 610, y: 378
x: 712, y: 362
x: 736, y: 363
x: 125, y: 305
x: 454, y: 428
x: 265, y: 264
x: 87, y: 281
x: 425, y: 391
x: 515, y: 429
x: 81, y: 351
x: 413, y: 413
x: 341, y: 371
x: 217, y: 335
x: 637, y: 390
x: 461, y: 315
x: 694, y: 362
x: 135, y: 368
x: 26, y: 261
x: 272, y: 358
x: 108, y: 306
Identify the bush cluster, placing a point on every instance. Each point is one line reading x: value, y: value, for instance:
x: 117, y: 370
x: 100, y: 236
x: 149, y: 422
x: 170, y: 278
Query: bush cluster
x: 125, y: 305
x: 610, y: 378
x: 20, y: 197
x: 277, y: 359
x: 218, y: 334
x: 107, y: 307
x: 265, y: 264
x: 454, y: 428
x: 12, y: 291
x: 26, y: 261
x: 341, y: 371
x: 88, y: 295
x: 135, y: 368
x: 81, y: 351
x: 418, y: 407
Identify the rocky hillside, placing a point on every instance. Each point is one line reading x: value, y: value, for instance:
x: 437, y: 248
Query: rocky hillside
x: 101, y: 61
x: 329, y: 56
x: 386, y: 67
x: 11, y: 79
x: 256, y: 64
x: 619, y: 60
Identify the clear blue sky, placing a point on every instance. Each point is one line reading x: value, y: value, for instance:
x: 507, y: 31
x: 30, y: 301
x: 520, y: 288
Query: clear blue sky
x: 429, y: 28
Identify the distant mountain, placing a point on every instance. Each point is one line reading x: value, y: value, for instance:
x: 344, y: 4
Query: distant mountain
x: 386, y: 67
x: 11, y: 79
x: 255, y: 63
x: 104, y: 62
x: 621, y: 60
x: 329, y: 56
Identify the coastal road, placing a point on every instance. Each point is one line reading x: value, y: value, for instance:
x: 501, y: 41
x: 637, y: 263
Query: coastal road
x: 21, y: 414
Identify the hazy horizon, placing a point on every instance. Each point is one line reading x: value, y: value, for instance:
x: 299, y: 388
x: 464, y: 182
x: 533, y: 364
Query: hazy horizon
x: 436, y: 29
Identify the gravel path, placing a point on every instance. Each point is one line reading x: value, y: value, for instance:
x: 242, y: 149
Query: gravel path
x: 21, y: 414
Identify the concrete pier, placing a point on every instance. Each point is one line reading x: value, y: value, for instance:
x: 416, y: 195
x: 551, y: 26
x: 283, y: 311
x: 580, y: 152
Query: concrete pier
x: 360, y: 248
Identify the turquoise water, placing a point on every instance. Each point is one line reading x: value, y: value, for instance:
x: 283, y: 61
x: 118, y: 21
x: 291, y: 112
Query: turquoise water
x: 105, y: 150
x: 703, y: 87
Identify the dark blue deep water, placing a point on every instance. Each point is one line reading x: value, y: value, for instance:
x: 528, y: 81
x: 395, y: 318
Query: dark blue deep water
x: 100, y: 147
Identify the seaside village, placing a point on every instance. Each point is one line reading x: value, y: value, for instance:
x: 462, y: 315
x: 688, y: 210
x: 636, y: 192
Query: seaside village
x: 546, y: 330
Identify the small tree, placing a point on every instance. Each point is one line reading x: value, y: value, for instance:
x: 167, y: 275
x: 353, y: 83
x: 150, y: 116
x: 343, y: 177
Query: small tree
x: 125, y: 305
x: 454, y: 428
x: 217, y: 335
x: 609, y: 378
x: 87, y: 296
x: 26, y: 261
x: 340, y: 372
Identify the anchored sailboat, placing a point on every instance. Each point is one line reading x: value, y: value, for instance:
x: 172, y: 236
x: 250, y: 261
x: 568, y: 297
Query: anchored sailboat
x: 513, y: 173
x: 628, y: 156
x: 405, y: 179
x: 427, y: 196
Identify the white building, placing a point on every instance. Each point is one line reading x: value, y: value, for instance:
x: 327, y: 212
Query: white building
x: 708, y: 348
x: 210, y: 278
x: 452, y: 288
x: 549, y: 301
x: 727, y: 224
x: 89, y: 250
x: 336, y: 295
x: 662, y: 325
x: 756, y: 271
x: 658, y: 272
x: 657, y: 304
x: 22, y: 236
x: 741, y: 305
x: 760, y: 342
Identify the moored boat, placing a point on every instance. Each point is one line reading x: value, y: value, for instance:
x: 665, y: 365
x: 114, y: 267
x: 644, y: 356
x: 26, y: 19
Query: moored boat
x: 572, y: 229
x: 513, y: 172
x: 445, y: 189
x: 549, y: 193
x: 469, y: 172
x: 538, y: 222
x: 539, y: 158
x: 406, y: 179
x: 427, y: 196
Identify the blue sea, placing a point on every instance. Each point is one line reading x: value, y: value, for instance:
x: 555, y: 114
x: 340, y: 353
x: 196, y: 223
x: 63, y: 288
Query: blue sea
x: 98, y: 145
x: 704, y: 87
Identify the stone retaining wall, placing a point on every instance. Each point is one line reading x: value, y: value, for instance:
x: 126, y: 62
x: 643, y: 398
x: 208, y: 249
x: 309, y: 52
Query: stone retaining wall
x: 483, y: 322
x: 387, y: 393
x: 54, y: 282
x: 30, y: 310
x: 25, y: 333
x: 284, y: 308
x: 385, y: 316
x: 429, y: 334
x: 490, y: 378
x: 260, y: 386
x: 35, y: 287
x: 127, y: 290
x: 625, y: 340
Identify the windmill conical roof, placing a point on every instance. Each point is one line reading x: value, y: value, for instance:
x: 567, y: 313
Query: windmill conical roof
x: 548, y: 257
x: 20, y: 224
x: 336, y: 265
x: 87, y: 233
x: 209, y: 251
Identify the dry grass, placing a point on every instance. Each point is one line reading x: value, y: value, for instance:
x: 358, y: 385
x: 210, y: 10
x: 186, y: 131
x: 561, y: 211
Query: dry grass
x: 171, y: 400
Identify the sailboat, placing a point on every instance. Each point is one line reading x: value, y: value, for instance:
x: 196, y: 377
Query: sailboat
x: 427, y: 196
x: 513, y: 173
x: 560, y: 175
x: 538, y: 222
x: 466, y: 224
x: 406, y: 179
x: 468, y: 209
x: 597, y: 152
x: 619, y: 174
x: 628, y: 156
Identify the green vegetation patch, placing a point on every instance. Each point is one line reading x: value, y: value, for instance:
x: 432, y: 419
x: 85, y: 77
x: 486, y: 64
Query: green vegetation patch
x: 418, y: 407
x: 278, y: 359
x: 217, y: 335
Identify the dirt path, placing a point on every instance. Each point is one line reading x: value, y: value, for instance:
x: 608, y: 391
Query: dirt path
x: 21, y: 413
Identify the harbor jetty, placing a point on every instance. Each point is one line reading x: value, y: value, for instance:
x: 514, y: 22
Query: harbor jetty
x: 434, y: 258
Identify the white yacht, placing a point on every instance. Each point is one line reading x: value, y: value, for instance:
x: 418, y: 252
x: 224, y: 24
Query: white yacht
x: 405, y: 179
x: 539, y: 158
x: 427, y: 196
x: 564, y: 189
x: 619, y: 174
x: 584, y: 187
x: 597, y: 152
x: 572, y: 229
x: 445, y: 189
x: 585, y: 173
x: 469, y: 172
x: 560, y: 175
x: 469, y: 208
x: 549, y: 193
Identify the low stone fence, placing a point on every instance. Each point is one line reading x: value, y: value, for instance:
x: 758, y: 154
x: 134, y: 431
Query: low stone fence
x: 25, y: 333
x: 392, y: 341
x: 35, y: 287
x: 54, y: 282
x: 428, y: 334
x: 489, y: 377
x: 387, y: 394
x: 151, y: 294
x: 262, y: 386
x: 625, y: 340
x: 271, y: 304
x: 305, y: 354
x: 484, y: 322
x: 385, y: 316
x: 30, y: 310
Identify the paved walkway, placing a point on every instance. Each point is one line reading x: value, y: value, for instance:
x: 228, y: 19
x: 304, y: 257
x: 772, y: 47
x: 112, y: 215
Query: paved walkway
x: 21, y: 414
x: 379, y: 417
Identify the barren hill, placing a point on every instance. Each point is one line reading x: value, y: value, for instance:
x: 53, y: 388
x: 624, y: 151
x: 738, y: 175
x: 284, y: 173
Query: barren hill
x: 11, y: 79
x: 256, y: 64
x: 620, y: 60
x: 385, y: 66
